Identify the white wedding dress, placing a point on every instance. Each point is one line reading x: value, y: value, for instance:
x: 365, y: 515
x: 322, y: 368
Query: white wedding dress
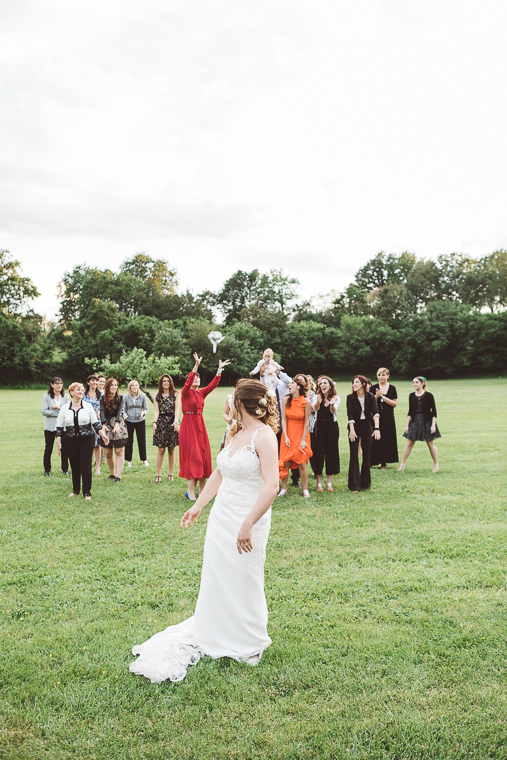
x: 231, y: 614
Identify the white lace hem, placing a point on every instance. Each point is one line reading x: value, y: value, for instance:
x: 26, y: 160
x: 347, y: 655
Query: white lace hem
x: 168, y: 654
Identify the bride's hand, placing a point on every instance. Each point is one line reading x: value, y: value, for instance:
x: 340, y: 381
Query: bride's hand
x: 244, y: 540
x: 190, y: 517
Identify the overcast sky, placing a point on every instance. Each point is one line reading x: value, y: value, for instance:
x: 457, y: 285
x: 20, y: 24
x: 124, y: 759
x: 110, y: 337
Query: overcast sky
x: 224, y: 134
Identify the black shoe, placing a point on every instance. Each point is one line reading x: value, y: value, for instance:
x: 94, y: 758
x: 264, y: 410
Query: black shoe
x: 47, y: 474
x: 111, y: 477
x: 296, y: 482
x: 117, y: 479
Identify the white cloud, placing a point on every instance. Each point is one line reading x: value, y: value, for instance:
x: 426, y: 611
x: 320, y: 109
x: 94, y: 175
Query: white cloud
x: 228, y: 134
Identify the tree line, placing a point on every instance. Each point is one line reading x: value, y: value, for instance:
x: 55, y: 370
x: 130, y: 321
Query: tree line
x: 439, y: 318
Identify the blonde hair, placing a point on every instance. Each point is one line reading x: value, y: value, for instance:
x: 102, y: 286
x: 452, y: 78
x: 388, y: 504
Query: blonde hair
x: 256, y: 401
x: 384, y: 371
x: 129, y: 387
x: 268, y: 351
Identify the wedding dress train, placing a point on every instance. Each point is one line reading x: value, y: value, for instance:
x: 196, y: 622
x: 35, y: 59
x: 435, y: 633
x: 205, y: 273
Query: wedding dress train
x: 231, y: 614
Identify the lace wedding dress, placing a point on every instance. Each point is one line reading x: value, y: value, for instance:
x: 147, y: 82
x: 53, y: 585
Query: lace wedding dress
x: 231, y: 614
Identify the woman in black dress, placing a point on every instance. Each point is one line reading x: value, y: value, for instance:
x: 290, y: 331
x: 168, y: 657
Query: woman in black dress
x: 166, y: 423
x: 363, y: 417
x: 325, y: 432
x: 385, y: 450
x: 421, y: 422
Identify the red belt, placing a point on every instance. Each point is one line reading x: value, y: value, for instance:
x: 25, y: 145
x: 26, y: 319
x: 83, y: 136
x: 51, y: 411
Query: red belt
x: 193, y: 413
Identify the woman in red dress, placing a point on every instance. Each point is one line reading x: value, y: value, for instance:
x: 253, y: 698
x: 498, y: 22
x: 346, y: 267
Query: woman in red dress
x: 195, y: 452
x: 295, y: 450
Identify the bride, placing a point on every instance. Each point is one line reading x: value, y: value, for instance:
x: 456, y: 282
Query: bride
x: 231, y: 614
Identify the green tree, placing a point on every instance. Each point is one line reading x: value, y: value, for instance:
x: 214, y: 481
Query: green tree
x: 15, y: 290
x: 136, y: 365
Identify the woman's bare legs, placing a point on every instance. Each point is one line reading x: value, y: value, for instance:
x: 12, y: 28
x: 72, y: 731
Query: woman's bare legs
x: 191, y: 488
x: 406, y: 453
x: 202, y: 483
x: 160, y: 460
x: 120, y: 462
x: 433, y: 451
x: 170, y: 453
x: 97, y: 460
x: 110, y: 461
x: 303, y: 471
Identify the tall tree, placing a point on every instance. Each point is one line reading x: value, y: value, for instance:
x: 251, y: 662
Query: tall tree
x: 15, y: 290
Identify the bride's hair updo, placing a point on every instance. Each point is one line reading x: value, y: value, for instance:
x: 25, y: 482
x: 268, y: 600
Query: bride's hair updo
x: 257, y: 402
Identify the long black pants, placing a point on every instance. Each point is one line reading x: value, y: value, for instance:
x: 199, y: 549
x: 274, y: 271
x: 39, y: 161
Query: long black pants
x: 50, y: 436
x: 325, y: 447
x: 140, y: 428
x: 358, y: 482
x: 80, y: 451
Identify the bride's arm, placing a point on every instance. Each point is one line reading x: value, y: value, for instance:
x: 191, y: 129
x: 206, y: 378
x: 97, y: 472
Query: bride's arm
x: 210, y: 489
x: 267, y: 450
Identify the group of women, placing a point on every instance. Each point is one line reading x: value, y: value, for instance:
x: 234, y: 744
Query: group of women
x: 308, y: 428
x: 230, y: 618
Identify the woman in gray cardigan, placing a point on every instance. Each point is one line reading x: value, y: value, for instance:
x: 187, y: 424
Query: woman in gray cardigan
x: 136, y: 409
x: 52, y: 401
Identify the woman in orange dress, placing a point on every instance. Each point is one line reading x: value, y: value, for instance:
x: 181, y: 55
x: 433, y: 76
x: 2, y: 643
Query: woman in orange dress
x: 295, y: 450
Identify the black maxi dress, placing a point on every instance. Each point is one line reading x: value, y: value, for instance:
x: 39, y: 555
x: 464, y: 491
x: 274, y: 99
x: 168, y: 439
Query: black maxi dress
x: 385, y: 451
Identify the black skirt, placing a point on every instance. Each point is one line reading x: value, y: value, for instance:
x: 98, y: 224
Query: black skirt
x: 420, y: 430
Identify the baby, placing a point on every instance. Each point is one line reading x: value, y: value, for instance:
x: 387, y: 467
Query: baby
x: 269, y: 369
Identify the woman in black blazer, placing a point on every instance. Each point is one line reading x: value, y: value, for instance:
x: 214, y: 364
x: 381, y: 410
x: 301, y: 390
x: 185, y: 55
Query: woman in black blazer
x: 363, y: 419
x: 421, y: 422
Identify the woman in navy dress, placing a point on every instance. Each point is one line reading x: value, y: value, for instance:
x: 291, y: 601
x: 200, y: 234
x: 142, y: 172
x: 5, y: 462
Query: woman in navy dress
x: 421, y: 422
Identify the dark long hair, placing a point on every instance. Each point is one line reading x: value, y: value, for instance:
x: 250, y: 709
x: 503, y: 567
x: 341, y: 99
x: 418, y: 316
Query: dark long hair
x: 364, y: 382
x: 332, y: 388
x: 303, y: 384
x: 51, y: 390
x: 87, y: 385
x: 107, y: 400
x: 172, y: 389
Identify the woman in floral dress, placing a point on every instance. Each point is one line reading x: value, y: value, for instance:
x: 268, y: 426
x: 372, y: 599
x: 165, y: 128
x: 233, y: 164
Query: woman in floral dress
x: 166, y: 423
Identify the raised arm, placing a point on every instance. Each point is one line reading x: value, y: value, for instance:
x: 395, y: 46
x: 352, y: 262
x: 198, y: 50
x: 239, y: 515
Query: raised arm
x: 211, y: 387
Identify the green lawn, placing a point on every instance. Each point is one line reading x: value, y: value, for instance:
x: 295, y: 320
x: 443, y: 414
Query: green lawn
x: 387, y: 609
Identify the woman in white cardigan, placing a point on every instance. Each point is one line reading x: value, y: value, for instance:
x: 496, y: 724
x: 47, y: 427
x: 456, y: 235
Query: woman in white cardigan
x: 77, y: 424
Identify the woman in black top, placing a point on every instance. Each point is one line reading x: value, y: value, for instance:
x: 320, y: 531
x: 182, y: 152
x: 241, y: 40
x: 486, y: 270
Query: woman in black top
x: 421, y: 422
x: 325, y: 432
x: 385, y: 450
x: 363, y: 417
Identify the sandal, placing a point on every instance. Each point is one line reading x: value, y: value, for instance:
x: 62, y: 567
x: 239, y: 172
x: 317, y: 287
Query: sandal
x: 436, y: 467
x: 158, y: 479
x: 319, y: 487
x: 188, y: 497
x: 329, y: 486
x: 170, y: 478
x: 400, y: 468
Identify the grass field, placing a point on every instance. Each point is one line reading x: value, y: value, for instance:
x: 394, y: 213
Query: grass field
x: 387, y: 609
